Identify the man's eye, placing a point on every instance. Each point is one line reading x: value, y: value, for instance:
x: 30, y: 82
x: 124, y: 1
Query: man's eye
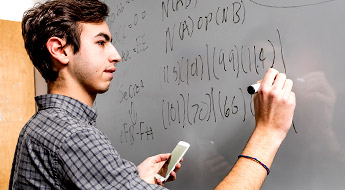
x: 101, y: 43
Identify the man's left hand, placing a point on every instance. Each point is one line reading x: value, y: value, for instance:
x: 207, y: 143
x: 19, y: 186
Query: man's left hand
x: 150, y: 167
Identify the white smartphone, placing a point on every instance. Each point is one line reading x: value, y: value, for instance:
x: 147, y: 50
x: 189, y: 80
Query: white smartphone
x: 175, y: 157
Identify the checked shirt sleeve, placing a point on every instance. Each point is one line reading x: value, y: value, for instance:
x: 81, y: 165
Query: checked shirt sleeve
x: 87, y: 160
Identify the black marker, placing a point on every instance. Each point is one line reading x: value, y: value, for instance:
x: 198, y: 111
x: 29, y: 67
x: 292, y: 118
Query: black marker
x: 252, y: 89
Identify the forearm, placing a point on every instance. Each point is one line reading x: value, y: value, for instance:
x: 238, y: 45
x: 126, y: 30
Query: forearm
x: 274, y: 106
x: 248, y: 174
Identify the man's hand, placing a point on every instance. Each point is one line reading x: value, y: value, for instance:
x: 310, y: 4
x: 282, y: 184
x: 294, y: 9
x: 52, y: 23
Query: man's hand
x: 150, y: 167
x: 274, y: 104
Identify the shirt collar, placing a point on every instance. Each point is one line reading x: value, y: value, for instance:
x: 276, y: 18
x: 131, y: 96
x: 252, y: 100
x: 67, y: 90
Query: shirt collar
x: 72, y: 106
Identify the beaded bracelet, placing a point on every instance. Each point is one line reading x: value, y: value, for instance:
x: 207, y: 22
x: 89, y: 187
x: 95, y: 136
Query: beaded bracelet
x: 256, y: 160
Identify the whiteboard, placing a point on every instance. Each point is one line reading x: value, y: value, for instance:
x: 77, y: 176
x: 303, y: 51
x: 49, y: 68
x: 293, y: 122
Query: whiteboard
x: 185, y: 68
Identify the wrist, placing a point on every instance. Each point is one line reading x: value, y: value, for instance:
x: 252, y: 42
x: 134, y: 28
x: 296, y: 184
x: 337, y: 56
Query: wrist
x: 263, y: 145
x: 275, y: 134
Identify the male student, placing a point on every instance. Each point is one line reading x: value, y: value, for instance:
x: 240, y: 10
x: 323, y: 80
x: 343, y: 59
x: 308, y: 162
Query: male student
x: 60, y: 147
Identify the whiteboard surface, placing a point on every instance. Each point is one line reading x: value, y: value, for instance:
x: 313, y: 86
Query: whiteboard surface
x: 185, y: 68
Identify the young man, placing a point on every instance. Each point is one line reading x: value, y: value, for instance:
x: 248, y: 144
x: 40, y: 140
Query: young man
x: 69, y: 42
x: 61, y: 148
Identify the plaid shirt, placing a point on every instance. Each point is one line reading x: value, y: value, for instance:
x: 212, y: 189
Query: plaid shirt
x: 61, y: 148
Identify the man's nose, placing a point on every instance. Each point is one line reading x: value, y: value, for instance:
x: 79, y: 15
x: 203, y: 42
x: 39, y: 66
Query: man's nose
x: 115, y: 56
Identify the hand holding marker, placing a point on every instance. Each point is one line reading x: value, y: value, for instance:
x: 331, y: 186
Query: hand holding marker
x: 254, y: 88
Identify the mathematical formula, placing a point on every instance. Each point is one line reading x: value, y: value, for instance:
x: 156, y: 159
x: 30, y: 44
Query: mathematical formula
x: 180, y: 23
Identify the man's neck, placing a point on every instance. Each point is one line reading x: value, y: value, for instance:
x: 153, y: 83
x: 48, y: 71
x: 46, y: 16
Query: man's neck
x: 76, y: 93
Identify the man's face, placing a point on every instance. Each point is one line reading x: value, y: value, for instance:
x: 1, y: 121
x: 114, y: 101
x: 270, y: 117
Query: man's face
x: 93, y: 65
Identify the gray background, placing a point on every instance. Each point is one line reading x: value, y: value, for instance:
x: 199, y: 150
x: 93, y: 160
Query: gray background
x: 184, y: 73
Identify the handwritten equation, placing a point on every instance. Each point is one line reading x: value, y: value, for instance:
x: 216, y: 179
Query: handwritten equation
x: 209, y: 107
x: 233, y: 13
x: 135, y: 129
x: 214, y: 62
x: 181, y: 21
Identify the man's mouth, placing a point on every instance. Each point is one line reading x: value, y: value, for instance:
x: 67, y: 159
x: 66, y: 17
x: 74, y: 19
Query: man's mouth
x: 110, y: 70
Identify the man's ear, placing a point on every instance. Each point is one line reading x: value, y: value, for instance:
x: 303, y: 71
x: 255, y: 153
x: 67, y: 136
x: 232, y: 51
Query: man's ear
x: 58, y: 49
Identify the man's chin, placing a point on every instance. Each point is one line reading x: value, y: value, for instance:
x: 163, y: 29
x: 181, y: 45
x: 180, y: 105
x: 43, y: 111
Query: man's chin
x: 103, y: 90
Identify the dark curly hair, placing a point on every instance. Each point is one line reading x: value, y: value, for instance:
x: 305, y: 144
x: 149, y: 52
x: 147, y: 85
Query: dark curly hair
x: 57, y: 18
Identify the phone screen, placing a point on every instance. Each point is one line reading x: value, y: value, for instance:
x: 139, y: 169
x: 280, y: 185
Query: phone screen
x: 172, y: 161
